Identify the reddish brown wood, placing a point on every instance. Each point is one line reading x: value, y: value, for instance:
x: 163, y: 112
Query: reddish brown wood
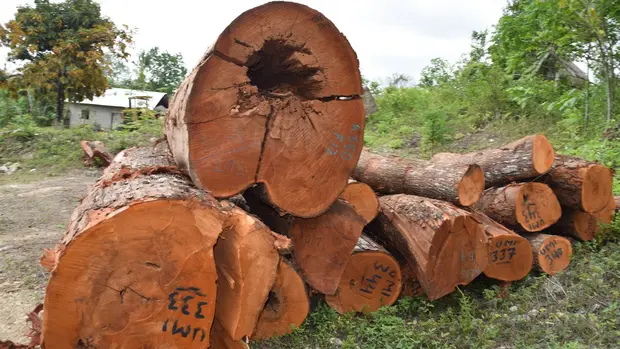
x: 582, y: 225
x: 362, y: 198
x: 220, y: 339
x: 552, y: 253
x: 411, y: 285
x: 276, y: 101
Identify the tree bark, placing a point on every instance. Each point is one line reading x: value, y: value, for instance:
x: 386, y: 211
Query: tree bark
x: 136, y: 267
x: 510, y: 255
x: 551, y: 252
x: 580, y: 184
x: 458, y: 183
x: 521, y: 206
x: 582, y: 225
x: 444, y: 244
x: 526, y: 158
x: 279, y: 106
x: 411, y: 286
x: 370, y: 280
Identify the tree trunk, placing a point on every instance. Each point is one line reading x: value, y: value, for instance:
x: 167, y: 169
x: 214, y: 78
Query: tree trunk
x: 521, y: 206
x: 287, y: 306
x: 136, y: 266
x: 582, y: 225
x: 247, y: 263
x: 551, y: 252
x: 458, y: 183
x: 60, y: 100
x: 279, y: 106
x: 510, y: 254
x: 96, y: 150
x: 444, y: 244
x: 526, y: 158
x: 370, y: 280
x: 580, y: 184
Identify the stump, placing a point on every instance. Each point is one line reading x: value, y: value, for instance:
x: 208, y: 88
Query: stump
x: 510, y: 255
x: 551, y: 252
x: 370, y: 280
x: 287, y: 305
x: 458, y: 183
x: 247, y: 263
x: 580, y: 184
x: 94, y: 151
x: 443, y: 243
x: 136, y: 267
x: 526, y: 158
x: 522, y: 206
x: 582, y: 225
x: 278, y: 105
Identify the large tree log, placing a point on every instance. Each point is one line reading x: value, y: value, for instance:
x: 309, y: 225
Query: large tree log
x: 247, y: 263
x: 444, y: 244
x: 460, y: 184
x: 551, y: 252
x: 136, y: 266
x: 580, y: 184
x: 521, y: 206
x: 582, y: 225
x: 510, y: 255
x: 526, y: 158
x: 370, y: 280
x: 278, y: 105
x: 287, y: 307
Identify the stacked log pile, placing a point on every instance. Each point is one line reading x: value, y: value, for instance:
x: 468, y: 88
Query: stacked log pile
x: 220, y: 235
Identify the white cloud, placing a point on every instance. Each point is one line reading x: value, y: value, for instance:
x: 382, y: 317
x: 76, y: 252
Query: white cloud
x: 389, y: 36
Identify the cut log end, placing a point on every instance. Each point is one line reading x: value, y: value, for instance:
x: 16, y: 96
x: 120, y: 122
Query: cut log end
x: 471, y: 186
x: 286, y: 307
x: 370, y: 281
x: 542, y: 154
x: 585, y: 225
x: 362, y: 198
x: 596, y: 188
x: 510, y: 257
x: 552, y: 253
x: 150, y: 280
x: 536, y: 207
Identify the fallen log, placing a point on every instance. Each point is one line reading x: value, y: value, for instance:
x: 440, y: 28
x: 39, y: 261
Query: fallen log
x: 510, y: 254
x: 525, y: 158
x: 279, y: 106
x: 247, y: 262
x: 551, y: 252
x: 287, y: 307
x: 521, y: 206
x: 444, y: 244
x: 460, y: 184
x: 136, y: 267
x: 96, y: 150
x: 370, y: 280
x: 580, y: 184
x: 582, y: 225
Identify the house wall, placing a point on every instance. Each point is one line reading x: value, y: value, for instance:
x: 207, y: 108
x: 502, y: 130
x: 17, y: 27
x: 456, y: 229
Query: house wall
x: 104, y: 116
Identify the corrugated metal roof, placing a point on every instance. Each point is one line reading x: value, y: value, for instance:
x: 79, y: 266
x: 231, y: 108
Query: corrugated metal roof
x: 119, y: 97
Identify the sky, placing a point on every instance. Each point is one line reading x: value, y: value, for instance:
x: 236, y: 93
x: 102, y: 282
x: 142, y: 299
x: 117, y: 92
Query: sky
x: 389, y: 36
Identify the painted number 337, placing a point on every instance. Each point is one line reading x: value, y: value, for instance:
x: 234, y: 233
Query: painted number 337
x: 345, y: 148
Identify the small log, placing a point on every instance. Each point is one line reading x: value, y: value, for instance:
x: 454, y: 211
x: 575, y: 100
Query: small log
x: 521, y: 206
x: 247, y: 263
x: 510, y: 254
x: 460, y: 184
x: 443, y: 243
x: 287, y: 307
x: 580, y: 184
x: 525, y: 158
x: 136, y: 267
x: 279, y: 105
x: 362, y: 198
x: 551, y: 252
x: 370, y: 280
x: 96, y: 150
x: 582, y: 225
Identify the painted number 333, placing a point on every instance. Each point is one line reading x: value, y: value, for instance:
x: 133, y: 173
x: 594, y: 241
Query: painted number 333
x: 345, y: 148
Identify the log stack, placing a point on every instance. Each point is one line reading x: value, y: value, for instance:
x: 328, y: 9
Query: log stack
x: 221, y: 234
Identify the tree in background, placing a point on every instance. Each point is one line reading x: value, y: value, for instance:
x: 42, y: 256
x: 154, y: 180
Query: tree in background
x: 62, y: 46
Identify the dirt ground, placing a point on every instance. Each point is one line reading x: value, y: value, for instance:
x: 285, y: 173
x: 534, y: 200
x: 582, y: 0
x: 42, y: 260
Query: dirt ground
x: 33, y: 216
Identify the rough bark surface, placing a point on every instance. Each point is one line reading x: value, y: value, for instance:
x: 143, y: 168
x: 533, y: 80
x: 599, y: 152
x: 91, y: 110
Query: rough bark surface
x: 551, y: 252
x: 580, y: 184
x: 522, y: 206
x: 279, y: 106
x: 150, y: 280
x: 510, y: 255
x: 582, y: 225
x: 458, y: 183
x: 371, y: 279
x: 444, y: 244
x: 526, y: 158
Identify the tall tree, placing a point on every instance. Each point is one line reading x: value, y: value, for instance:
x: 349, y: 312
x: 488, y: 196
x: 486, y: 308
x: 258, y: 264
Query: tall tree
x: 160, y: 70
x: 62, y: 46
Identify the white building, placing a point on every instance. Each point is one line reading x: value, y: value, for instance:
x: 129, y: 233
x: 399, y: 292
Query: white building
x: 106, y: 110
